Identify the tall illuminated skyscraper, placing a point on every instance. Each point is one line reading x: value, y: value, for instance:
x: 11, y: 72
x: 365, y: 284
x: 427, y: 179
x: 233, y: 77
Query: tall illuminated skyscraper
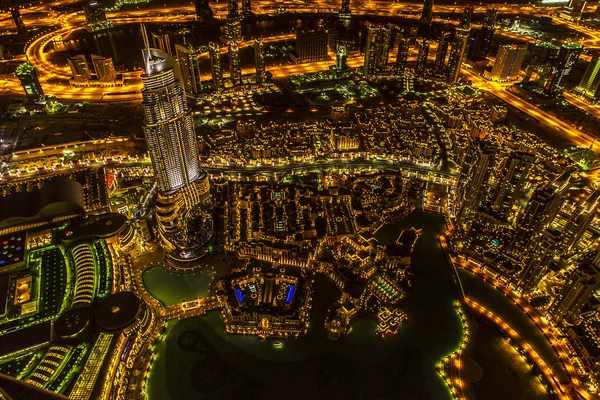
x: 376, y: 50
x: 401, y: 56
x: 235, y: 66
x: 168, y: 124
x: 467, y: 17
x: 512, y: 182
x: 190, y: 70
x: 577, y: 291
x: 30, y: 82
x: 246, y: 7
x: 427, y: 13
x: 539, y: 263
x: 508, y: 63
x: 457, y: 54
x: 95, y: 16
x: 345, y: 11
x: 259, y: 59
x: 481, y: 38
x: 421, y: 65
x: 215, y: 65
x: 439, y: 64
x: 589, y: 87
x: 566, y: 58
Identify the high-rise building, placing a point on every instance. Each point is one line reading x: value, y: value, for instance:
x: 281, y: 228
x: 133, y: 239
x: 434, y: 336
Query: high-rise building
x: 481, y: 38
x: 31, y: 84
x: 421, y: 65
x: 457, y: 54
x: 168, y: 124
x: 538, y: 214
x: 467, y: 17
x: 512, y: 182
x: 190, y: 70
x: 235, y: 66
x: 232, y: 9
x: 233, y: 30
x: 340, y: 69
x: 105, y: 68
x: 259, y: 60
x: 203, y: 10
x: 473, y: 186
x: 427, y: 13
x: 95, y: 16
x: 376, y: 49
x: 401, y: 56
x: 80, y: 69
x: 577, y: 5
x: 18, y: 21
x: 162, y: 42
x: 566, y: 58
x: 311, y: 46
x: 542, y: 57
x: 537, y: 266
x: 579, y: 221
x: 577, y: 291
x: 215, y: 65
x: 589, y: 87
x: 508, y: 63
x: 439, y: 64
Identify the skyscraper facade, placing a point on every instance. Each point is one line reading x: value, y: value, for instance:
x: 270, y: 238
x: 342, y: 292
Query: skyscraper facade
x: 215, y: 65
x: 235, y: 66
x: 508, y: 63
x: 427, y: 13
x: 467, y: 17
x: 457, y: 54
x: 345, y: 11
x: 203, y: 10
x: 259, y: 60
x: 190, y: 70
x: 439, y: 65
x: 246, y: 7
x: 31, y: 84
x: 589, y: 87
x: 105, y: 68
x: 481, y: 38
x: 312, y: 46
x: 577, y: 291
x: 95, y: 16
x: 401, y: 56
x: 168, y: 124
x: 162, y: 41
x: 539, y: 263
x: 232, y: 9
x: 566, y: 58
x: 473, y: 185
x: 376, y: 49
x: 512, y: 182
x: 421, y: 65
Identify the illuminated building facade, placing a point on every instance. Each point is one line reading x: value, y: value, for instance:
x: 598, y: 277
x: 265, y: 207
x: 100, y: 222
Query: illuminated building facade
x: 105, y: 68
x: 508, y: 63
x: 457, y: 54
x: 427, y: 13
x: 235, y: 66
x: 30, y: 82
x: 421, y: 66
x: 401, y: 56
x: 579, y: 221
x: 566, y: 58
x: 577, y: 291
x: 539, y: 263
x: 215, y: 65
x: 481, y: 38
x: 246, y: 7
x: 168, y: 123
x: 376, y: 49
x: 190, y: 70
x: 439, y: 65
x: 233, y: 30
x: 312, y: 46
x: 80, y: 69
x: 512, y: 182
x: 232, y: 9
x: 345, y: 11
x: 473, y: 188
x: 589, y: 87
x: 259, y: 59
x: 162, y: 42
